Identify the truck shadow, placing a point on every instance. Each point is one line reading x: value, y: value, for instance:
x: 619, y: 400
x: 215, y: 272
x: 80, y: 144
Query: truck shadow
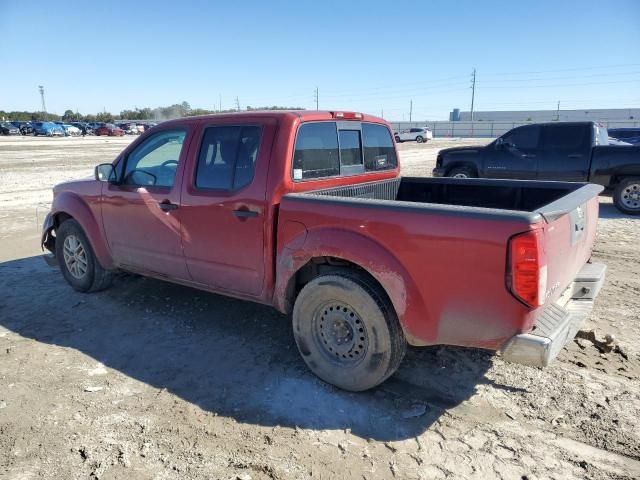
x: 609, y: 211
x: 230, y: 357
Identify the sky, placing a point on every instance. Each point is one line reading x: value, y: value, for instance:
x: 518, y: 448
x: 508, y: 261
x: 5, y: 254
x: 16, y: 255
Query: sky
x: 371, y: 56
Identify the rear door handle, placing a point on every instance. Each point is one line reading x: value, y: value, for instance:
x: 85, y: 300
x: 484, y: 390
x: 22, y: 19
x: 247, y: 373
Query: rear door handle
x: 245, y: 213
x: 167, y: 206
x: 528, y: 155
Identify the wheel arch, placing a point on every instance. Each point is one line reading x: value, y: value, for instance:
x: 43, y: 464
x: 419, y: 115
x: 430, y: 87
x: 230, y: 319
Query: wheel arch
x: 323, y: 252
x: 68, y: 205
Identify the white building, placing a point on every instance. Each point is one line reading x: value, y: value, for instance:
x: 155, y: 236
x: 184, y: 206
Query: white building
x: 601, y: 115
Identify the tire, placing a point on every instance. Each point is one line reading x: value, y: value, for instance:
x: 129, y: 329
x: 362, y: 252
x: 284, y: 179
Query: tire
x: 93, y: 277
x: 626, y: 196
x: 462, y: 172
x: 398, y: 140
x: 347, y: 331
x: 420, y: 139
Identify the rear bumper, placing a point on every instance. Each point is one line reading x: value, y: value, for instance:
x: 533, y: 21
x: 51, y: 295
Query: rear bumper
x: 560, y: 321
x: 438, y: 172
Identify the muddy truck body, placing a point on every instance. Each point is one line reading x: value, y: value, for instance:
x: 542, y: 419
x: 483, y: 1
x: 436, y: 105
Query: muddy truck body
x: 307, y: 212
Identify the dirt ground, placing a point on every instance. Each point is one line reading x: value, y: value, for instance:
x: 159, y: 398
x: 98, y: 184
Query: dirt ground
x: 149, y: 380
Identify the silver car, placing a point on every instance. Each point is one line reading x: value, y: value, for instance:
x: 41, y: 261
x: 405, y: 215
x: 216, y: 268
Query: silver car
x: 419, y: 135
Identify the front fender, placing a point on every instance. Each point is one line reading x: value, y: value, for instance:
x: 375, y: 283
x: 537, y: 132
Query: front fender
x: 76, y: 206
x: 367, y: 254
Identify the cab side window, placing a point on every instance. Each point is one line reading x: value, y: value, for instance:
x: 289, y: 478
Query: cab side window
x: 155, y: 161
x: 523, y: 138
x: 566, y: 138
x: 227, y: 157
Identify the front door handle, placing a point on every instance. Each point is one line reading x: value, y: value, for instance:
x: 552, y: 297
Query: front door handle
x: 245, y: 213
x: 528, y: 155
x: 575, y: 155
x: 167, y: 206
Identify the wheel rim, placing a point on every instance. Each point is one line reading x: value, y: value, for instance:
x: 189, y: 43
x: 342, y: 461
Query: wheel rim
x: 75, y: 256
x: 419, y: 139
x: 340, y: 333
x: 460, y: 175
x: 630, y: 196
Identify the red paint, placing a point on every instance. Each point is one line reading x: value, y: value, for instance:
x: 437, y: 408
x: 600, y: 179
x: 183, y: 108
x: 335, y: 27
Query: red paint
x: 445, y: 275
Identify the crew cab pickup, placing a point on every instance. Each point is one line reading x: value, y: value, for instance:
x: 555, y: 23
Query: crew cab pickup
x: 306, y: 211
x: 566, y: 151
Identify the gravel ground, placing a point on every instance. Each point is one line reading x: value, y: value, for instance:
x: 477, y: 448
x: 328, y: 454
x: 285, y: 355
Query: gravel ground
x: 149, y: 380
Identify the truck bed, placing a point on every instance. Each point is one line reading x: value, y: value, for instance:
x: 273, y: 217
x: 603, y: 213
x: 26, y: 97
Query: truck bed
x: 450, y: 238
x: 517, y: 199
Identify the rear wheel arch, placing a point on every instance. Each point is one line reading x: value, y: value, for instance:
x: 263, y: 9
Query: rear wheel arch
x: 296, y: 268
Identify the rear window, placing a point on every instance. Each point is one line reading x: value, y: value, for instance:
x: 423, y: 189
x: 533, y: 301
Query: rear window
x: 329, y: 149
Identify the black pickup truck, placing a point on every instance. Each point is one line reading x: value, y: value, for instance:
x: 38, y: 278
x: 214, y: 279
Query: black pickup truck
x: 565, y: 151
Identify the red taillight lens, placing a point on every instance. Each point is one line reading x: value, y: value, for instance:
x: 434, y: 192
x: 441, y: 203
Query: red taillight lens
x: 528, y: 269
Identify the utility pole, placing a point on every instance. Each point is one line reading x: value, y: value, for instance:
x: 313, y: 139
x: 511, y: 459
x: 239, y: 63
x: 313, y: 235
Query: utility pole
x: 220, y: 101
x: 382, y: 113
x: 237, y: 104
x: 316, y: 97
x: 558, y: 112
x: 410, y: 109
x: 473, y: 91
x: 41, y: 89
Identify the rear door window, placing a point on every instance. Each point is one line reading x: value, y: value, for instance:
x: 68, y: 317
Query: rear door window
x: 227, y: 157
x: 566, y: 138
x: 329, y: 149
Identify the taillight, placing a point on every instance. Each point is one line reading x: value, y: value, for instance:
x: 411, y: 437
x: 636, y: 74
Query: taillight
x: 527, y: 277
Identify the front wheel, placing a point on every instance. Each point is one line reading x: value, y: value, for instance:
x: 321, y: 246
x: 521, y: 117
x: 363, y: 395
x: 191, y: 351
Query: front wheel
x: 78, y: 263
x: 347, y: 331
x: 462, y: 172
x: 419, y: 139
x: 626, y: 196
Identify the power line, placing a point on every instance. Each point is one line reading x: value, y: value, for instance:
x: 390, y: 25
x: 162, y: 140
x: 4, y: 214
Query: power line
x: 575, y: 69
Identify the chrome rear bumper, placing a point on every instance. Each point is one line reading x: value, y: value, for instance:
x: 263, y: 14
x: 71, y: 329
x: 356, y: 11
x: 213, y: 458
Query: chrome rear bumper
x: 559, y: 322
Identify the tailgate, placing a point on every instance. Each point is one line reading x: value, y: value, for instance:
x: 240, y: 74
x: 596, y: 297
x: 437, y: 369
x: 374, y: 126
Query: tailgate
x: 569, y: 235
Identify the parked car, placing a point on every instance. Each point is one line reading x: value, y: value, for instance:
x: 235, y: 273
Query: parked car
x: 129, y: 128
x: 7, y: 128
x: 26, y: 128
x: 109, y: 129
x: 571, y: 151
x: 85, y: 128
x: 71, y: 130
x: 419, y: 135
x: 306, y: 211
x: 629, y: 134
x: 48, y: 129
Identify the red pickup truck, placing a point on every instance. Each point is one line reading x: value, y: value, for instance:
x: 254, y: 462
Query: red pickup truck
x: 306, y: 211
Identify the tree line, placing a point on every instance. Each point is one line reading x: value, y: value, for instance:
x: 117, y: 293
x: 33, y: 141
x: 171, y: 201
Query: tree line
x: 177, y: 110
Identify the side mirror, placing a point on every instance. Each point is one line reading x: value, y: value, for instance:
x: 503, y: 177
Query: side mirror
x: 105, y: 173
x: 141, y: 178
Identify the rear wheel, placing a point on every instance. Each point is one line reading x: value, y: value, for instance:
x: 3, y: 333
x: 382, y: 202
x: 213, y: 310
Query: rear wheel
x: 462, y: 172
x: 398, y: 139
x: 347, y: 331
x: 627, y: 196
x: 78, y: 263
x: 419, y: 139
